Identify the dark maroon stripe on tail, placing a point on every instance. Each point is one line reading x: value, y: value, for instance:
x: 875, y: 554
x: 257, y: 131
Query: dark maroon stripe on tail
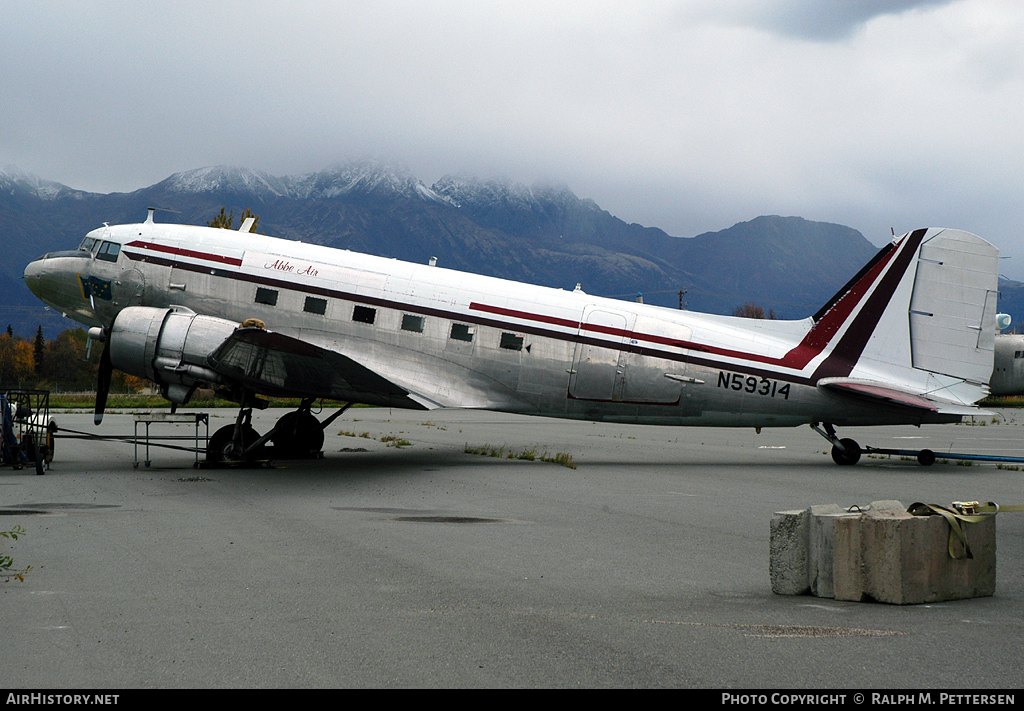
x: 840, y: 362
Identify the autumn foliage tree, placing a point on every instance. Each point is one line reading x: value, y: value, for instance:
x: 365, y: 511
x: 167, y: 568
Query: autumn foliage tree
x: 749, y: 310
x: 17, y: 363
x: 63, y: 364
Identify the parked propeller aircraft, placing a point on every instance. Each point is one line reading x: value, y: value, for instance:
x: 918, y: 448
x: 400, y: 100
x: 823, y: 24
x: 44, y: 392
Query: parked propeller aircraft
x: 909, y: 340
x: 1008, y: 370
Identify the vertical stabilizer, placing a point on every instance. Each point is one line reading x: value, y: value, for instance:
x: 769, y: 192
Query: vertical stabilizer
x: 924, y: 320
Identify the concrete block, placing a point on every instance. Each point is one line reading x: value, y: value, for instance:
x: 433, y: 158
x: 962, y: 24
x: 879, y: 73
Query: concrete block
x: 905, y: 559
x: 847, y: 561
x: 879, y: 553
x: 787, y: 562
x: 821, y: 545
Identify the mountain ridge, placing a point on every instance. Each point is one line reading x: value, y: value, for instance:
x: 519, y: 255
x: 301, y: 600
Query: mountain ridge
x: 542, y: 233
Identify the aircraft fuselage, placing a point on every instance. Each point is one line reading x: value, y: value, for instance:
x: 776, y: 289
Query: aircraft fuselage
x: 464, y: 340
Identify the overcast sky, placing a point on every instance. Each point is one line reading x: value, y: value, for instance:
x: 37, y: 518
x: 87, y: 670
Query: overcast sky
x: 690, y: 115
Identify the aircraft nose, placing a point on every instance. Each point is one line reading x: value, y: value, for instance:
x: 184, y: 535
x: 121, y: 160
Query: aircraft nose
x: 53, y: 281
x: 33, y: 275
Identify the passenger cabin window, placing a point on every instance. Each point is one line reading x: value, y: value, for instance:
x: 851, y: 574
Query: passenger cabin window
x: 364, y: 314
x: 461, y: 332
x: 109, y: 251
x: 315, y: 306
x: 512, y: 341
x: 266, y: 296
x: 412, y: 323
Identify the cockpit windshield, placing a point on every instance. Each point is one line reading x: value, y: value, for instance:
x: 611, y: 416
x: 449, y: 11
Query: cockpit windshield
x: 108, y: 251
x: 87, y: 244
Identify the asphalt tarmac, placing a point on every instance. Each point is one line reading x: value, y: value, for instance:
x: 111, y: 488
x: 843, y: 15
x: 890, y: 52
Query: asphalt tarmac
x: 401, y: 560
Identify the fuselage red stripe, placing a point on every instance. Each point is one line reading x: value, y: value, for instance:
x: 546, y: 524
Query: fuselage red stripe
x: 813, y: 343
x: 167, y: 249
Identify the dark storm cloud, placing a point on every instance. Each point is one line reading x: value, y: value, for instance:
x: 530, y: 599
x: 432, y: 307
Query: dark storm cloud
x: 820, y: 20
x: 689, y: 116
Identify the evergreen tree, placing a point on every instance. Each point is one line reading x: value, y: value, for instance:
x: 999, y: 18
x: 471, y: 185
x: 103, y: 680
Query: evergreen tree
x: 222, y: 220
x: 39, y: 349
x: 10, y: 331
x: 225, y: 220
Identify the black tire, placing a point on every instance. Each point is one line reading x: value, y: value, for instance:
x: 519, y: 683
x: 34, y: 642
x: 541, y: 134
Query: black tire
x: 221, y: 446
x: 926, y: 457
x: 849, y: 455
x: 298, y: 434
x: 51, y: 437
x: 33, y: 452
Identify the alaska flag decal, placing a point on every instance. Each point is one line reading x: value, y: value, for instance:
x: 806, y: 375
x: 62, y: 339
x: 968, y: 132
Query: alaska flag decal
x: 93, y: 286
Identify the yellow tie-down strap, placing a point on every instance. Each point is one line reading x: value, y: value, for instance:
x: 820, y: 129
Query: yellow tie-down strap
x: 958, y: 513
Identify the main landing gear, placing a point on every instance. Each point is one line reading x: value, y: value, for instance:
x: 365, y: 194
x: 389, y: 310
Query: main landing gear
x: 844, y: 451
x: 296, y: 435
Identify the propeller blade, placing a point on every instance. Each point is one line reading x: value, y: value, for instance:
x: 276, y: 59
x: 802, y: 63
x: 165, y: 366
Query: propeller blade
x: 102, y: 384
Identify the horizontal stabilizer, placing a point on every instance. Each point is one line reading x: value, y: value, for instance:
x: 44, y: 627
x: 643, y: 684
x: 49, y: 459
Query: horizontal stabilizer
x: 873, y: 390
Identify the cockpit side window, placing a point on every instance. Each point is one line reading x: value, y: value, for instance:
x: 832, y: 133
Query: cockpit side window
x: 108, y: 251
x: 87, y: 244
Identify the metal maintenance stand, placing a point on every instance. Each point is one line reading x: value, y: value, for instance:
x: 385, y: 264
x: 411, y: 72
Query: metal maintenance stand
x: 169, y: 418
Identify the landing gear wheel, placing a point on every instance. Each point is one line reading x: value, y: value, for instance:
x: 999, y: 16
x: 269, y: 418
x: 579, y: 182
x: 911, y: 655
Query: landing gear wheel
x: 51, y: 429
x: 848, y: 455
x: 34, y: 453
x: 298, y: 434
x: 222, y: 448
x: 926, y: 457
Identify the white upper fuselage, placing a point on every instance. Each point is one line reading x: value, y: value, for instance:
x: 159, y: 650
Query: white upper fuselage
x: 454, y: 339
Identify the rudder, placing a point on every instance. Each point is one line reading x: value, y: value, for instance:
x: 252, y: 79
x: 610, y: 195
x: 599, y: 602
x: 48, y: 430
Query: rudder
x: 953, y: 306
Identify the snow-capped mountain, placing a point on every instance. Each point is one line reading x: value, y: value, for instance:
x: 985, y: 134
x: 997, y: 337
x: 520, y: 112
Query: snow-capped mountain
x: 541, y: 233
x: 15, y: 181
x: 358, y: 178
x: 503, y: 192
x: 227, y: 179
x: 363, y: 177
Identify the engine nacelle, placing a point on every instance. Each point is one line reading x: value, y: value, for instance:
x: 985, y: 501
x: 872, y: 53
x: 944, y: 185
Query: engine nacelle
x: 168, y: 346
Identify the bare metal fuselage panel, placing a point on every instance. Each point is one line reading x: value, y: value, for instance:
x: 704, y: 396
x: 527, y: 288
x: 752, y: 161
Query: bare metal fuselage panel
x: 904, y: 342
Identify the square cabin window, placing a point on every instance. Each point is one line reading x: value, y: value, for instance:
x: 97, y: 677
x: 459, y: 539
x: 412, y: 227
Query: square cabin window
x: 462, y: 332
x: 315, y: 306
x: 364, y: 314
x: 266, y: 296
x: 512, y: 341
x: 412, y: 323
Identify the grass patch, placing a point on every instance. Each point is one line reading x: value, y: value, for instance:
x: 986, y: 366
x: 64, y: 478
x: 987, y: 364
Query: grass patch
x: 1003, y: 401
x: 504, y: 452
x: 394, y: 441
x: 364, y: 435
x: 7, y: 571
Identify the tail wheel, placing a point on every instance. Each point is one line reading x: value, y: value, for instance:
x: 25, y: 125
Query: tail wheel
x: 848, y: 455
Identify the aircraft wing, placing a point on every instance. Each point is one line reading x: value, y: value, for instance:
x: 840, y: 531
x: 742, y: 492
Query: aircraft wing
x: 874, y: 391
x: 275, y: 364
